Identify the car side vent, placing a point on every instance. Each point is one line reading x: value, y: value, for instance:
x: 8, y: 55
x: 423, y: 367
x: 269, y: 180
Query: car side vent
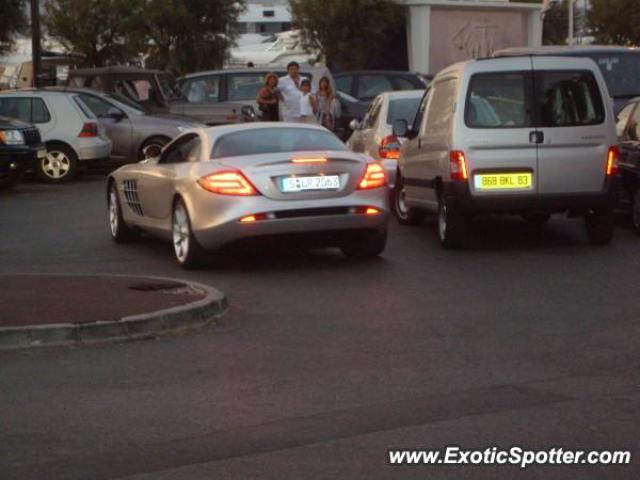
x: 130, y: 189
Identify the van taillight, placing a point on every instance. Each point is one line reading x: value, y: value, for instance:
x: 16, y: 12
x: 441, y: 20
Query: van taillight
x: 458, y: 165
x: 612, y: 161
x: 89, y: 129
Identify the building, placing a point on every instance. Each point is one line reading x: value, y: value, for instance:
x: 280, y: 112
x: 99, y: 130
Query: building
x: 442, y: 32
x: 265, y: 17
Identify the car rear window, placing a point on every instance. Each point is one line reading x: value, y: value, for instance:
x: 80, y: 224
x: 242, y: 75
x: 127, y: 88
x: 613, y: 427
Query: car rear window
x: 275, y: 140
x: 568, y: 99
x: 403, y: 109
x: 499, y: 100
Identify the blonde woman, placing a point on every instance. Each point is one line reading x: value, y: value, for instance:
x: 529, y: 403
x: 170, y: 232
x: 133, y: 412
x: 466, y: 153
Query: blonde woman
x: 267, y: 99
x: 326, y: 104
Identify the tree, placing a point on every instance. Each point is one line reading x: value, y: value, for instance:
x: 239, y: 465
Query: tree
x: 555, y: 26
x: 12, y: 20
x: 615, y: 21
x: 188, y: 35
x: 98, y: 30
x: 349, y: 34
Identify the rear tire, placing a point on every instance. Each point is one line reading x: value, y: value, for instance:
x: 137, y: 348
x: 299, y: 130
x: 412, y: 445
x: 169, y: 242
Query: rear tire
x: 635, y: 210
x: 600, y: 226
x: 59, y: 166
x: 120, y: 232
x: 452, y: 225
x: 405, y: 214
x: 152, y: 143
x: 366, y: 245
x: 189, y: 254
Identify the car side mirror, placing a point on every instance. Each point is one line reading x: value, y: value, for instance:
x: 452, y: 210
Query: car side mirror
x: 248, y: 113
x: 354, y: 124
x: 116, y: 114
x: 400, y: 128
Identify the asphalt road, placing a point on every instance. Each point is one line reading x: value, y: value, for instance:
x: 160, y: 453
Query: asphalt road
x: 529, y: 338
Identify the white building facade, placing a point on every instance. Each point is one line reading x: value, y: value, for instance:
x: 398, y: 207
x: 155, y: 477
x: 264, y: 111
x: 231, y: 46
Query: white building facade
x: 442, y: 32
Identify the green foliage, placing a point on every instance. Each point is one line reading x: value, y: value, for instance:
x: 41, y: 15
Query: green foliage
x: 555, y: 26
x: 615, y: 21
x: 99, y: 30
x: 12, y: 21
x: 188, y: 35
x: 348, y: 33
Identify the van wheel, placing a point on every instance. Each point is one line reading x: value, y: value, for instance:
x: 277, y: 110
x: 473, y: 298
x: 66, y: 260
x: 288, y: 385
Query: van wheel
x: 366, y: 245
x: 635, y: 210
x: 537, y: 219
x: 60, y: 164
x: 600, y: 225
x: 405, y: 214
x: 452, y: 225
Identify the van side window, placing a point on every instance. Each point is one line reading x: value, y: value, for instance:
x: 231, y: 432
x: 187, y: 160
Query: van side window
x: 440, y: 112
x: 499, y: 100
x: 568, y: 99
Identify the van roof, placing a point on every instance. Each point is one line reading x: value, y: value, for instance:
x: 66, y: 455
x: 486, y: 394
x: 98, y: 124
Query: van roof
x: 562, y: 50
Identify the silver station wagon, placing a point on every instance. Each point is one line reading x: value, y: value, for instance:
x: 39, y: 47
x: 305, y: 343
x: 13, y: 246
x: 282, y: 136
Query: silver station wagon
x: 525, y: 135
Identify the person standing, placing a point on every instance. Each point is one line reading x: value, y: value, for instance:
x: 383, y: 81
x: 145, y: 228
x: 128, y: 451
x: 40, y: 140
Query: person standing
x: 290, y: 93
x: 267, y: 99
x: 308, y: 103
x: 327, y: 104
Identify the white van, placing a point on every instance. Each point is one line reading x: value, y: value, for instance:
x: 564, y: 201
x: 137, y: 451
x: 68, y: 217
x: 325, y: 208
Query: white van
x: 524, y: 135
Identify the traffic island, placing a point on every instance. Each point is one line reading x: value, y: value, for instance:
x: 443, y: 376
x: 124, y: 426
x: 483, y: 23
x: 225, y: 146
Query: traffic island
x: 51, y: 310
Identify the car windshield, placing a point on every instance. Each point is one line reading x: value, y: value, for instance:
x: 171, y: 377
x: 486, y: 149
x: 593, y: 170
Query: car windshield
x: 169, y: 87
x: 275, y: 140
x: 403, y: 109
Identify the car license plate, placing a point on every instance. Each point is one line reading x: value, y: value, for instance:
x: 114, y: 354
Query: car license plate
x: 42, y: 153
x: 301, y: 184
x: 503, y: 181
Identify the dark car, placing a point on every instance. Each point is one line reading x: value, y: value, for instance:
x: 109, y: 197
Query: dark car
x: 20, y: 149
x: 628, y: 131
x: 365, y: 85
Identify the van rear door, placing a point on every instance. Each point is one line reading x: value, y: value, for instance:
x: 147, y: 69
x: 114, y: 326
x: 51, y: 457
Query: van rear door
x: 574, y: 129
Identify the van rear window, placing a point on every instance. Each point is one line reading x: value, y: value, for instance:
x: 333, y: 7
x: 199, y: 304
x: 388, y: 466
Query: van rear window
x: 499, y: 100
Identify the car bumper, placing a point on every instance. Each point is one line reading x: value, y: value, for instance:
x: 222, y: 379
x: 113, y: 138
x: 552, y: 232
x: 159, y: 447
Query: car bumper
x: 21, y: 159
x: 221, y: 225
x: 460, y: 195
x: 95, y: 150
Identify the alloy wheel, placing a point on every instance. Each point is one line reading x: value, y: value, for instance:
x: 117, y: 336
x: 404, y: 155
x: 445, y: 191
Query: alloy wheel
x: 56, y: 164
x: 113, y: 212
x: 181, y: 233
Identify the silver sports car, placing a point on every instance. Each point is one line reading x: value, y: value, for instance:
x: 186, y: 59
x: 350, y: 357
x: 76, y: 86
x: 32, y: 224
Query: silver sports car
x: 214, y: 186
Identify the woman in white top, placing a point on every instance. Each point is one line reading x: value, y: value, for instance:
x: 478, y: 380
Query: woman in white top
x: 308, y: 103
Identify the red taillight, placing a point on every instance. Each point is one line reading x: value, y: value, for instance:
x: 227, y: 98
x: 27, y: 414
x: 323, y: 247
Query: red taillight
x: 89, y: 129
x: 374, y: 177
x: 458, y: 165
x: 389, y: 147
x: 228, y: 183
x: 612, y: 161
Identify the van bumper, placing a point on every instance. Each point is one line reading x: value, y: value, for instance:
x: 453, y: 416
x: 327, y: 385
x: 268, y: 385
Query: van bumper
x: 458, y: 193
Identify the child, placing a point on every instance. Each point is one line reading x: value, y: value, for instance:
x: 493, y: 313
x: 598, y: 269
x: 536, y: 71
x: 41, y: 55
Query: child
x: 308, y: 103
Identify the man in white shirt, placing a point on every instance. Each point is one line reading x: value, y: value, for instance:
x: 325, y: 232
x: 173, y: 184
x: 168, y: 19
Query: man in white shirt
x: 289, y: 88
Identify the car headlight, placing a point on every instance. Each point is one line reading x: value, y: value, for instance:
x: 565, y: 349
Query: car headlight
x: 11, y: 137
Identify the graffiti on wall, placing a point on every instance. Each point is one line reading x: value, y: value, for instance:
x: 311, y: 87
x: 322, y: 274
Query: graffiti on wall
x: 476, y: 40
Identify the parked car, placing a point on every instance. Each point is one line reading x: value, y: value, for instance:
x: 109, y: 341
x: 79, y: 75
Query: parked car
x: 619, y: 65
x: 365, y: 85
x: 350, y: 109
x: 522, y: 135
x: 73, y: 135
x: 374, y: 134
x: 134, y: 134
x: 211, y: 187
x: 216, y: 97
x: 628, y: 131
x: 20, y: 150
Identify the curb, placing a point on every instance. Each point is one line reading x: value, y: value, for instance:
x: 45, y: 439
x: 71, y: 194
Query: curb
x: 136, y: 327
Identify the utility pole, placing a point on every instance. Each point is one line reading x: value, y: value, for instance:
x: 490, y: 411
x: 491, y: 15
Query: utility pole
x: 570, y: 22
x: 36, y: 48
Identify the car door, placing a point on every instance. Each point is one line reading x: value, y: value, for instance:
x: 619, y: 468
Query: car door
x: 573, y: 133
x: 411, y: 150
x: 158, y: 179
x: 116, y: 123
x: 204, y: 100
